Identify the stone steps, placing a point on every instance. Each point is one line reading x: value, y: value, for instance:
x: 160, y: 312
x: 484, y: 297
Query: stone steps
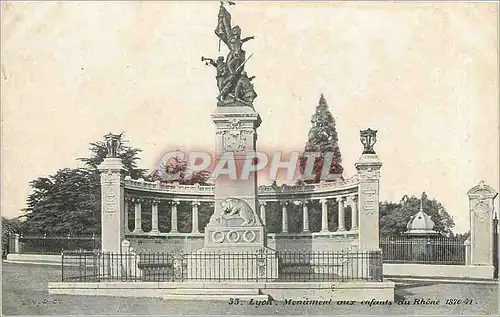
x: 243, y: 299
x: 222, y: 294
x: 217, y: 291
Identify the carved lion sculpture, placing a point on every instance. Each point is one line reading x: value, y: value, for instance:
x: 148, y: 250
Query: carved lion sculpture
x: 233, y: 208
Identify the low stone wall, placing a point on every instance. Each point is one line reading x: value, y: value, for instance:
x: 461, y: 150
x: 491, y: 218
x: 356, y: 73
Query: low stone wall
x: 438, y: 271
x: 186, y: 243
x: 180, y: 243
x: 353, y: 291
x: 54, y: 259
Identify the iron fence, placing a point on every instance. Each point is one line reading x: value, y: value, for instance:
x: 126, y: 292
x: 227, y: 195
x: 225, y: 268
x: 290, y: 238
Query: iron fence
x: 297, y: 266
x: 43, y: 244
x: 423, y: 250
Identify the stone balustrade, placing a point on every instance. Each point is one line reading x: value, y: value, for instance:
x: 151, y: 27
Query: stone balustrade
x: 342, y: 202
x: 264, y: 190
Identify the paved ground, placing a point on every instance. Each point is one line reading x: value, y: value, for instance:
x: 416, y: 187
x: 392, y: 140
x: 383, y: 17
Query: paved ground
x: 25, y: 293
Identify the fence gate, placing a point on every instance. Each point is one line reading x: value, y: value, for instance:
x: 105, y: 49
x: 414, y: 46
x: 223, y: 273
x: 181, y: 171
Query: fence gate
x: 495, y: 246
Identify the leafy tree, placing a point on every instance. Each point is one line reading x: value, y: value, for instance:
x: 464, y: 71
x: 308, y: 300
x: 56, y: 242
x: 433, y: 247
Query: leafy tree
x: 70, y: 200
x: 394, y: 217
x: 179, y: 167
x: 323, y: 138
x: 66, y: 202
x: 128, y: 155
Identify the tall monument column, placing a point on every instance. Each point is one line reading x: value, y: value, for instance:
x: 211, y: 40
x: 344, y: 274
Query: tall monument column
x: 235, y: 226
x: 112, y: 196
x: 368, y: 167
x: 235, y: 219
x: 481, y: 210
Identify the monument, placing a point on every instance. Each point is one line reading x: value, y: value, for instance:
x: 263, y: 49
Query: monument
x: 481, y: 210
x: 235, y: 243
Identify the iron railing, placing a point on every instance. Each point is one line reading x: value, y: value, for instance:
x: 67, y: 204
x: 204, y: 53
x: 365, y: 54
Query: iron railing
x: 43, y: 244
x: 297, y: 266
x: 423, y: 250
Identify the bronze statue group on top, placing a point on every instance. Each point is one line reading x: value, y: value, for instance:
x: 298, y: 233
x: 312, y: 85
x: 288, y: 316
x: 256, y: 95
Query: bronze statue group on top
x: 235, y: 87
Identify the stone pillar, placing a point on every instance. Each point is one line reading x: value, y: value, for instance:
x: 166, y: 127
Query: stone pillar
x: 354, y: 212
x: 305, y: 216
x: 467, y: 252
x: 324, y: 215
x: 154, y: 217
x: 112, y: 201
x: 138, y: 216
x: 284, y: 217
x: 341, y: 215
x: 481, y: 209
x: 14, y: 243
x: 263, y: 212
x: 174, y: 216
x: 125, y: 215
x: 368, y: 167
x: 194, y: 227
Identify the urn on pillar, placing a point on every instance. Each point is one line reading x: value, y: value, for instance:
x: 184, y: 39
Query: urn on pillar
x: 368, y: 167
x: 112, y: 196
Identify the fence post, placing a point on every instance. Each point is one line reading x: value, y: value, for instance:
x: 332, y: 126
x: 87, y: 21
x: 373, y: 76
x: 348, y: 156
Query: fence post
x: 467, y: 251
x: 14, y: 243
x: 62, y: 266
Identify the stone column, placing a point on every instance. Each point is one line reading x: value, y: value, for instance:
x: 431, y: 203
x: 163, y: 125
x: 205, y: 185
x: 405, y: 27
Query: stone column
x: 125, y: 215
x: 154, y: 217
x: 368, y: 167
x: 263, y: 212
x: 194, y: 227
x: 138, y: 216
x: 341, y: 215
x: 284, y: 219
x: 481, y: 210
x: 354, y: 212
x: 174, y: 216
x: 305, y: 216
x: 324, y: 215
x: 112, y: 202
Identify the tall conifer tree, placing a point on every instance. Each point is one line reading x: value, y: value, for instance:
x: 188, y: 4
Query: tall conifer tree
x: 323, y: 138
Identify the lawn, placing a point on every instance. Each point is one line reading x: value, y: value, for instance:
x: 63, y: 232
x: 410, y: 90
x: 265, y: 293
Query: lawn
x: 24, y: 288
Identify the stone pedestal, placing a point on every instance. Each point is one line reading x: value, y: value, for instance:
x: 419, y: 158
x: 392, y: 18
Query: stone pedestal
x: 14, y: 243
x: 123, y: 266
x: 481, y: 208
x: 112, y: 204
x: 368, y: 167
x: 235, y: 243
x: 236, y: 137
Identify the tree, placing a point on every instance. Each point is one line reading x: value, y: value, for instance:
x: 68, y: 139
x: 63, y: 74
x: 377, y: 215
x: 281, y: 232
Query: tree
x: 185, y: 176
x: 66, y: 202
x: 69, y: 201
x: 394, y: 217
x: 322, y: 138
x: 128, y: 155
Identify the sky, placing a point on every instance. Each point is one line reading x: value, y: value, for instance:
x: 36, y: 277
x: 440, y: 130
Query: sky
x: 424, y: 75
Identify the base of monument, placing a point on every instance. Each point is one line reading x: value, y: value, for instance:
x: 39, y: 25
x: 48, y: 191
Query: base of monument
x: 278, y: 291
x: 233, y: 264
